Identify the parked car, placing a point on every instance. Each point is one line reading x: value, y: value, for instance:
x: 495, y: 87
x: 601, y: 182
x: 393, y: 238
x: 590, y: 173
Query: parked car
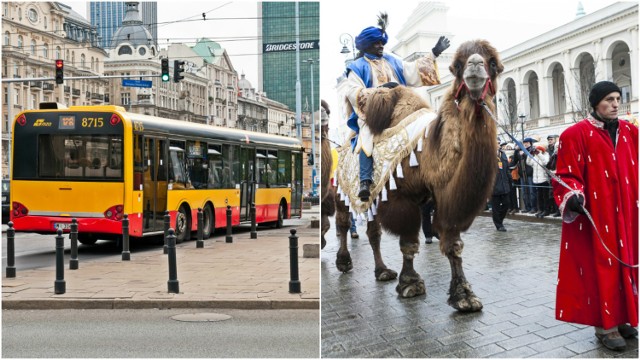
x: 5, y: 201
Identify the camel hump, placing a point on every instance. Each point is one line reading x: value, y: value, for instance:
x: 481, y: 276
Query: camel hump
x: 380, y: 108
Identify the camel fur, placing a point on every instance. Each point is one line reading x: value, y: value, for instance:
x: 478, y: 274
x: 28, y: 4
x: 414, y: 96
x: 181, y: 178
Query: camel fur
x: 456, y: 169
x: 327, y: 193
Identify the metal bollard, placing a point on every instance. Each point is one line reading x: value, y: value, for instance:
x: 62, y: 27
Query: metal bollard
x: 254, y: 234
x: 167, y: 224
x: 172, y: 284
x: 126, y: 255
x: 200, y: 241
x: 11, y: 251
x: 228, y: 238
x: 59, y: 284
x: 294, y: 284
x: 73, y: 237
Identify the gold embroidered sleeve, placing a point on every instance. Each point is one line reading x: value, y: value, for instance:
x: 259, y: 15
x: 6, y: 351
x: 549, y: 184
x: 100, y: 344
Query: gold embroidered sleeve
x: 428, y: 70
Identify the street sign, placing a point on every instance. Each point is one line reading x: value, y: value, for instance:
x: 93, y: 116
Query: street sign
x: 137, y: 83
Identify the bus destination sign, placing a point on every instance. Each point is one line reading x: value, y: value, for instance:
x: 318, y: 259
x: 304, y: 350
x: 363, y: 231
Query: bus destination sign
x: 67, y: 122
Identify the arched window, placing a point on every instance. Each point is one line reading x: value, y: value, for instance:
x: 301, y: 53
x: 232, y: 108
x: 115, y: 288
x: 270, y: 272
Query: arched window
x: 33, y: 47
x: 20, y: 14
x: 7, y: 38
x: 82, y: 61
x: 58, y: 52
x: 67, y: 56
x: 45, y: 51
x: 20, y: 41
x: 73, y: 58
x: 45, y: 22
x: 92, y: 63
x: 125, y: 50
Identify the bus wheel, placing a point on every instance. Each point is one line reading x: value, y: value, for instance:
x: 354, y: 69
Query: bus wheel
x: 208, y: 222
x: 182, y: 225
x: 87, y: 239
x: 280, y: 222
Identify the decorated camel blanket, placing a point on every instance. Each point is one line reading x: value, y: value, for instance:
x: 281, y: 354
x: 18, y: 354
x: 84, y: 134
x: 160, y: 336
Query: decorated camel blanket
x: 390, y: 147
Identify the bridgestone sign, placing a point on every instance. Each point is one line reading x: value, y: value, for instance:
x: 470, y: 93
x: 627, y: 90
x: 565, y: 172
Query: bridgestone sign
x: 290, y: 46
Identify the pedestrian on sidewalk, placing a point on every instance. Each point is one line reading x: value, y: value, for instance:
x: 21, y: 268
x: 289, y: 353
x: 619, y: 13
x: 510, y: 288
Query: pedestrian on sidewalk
x: 597, y: 159
x: 540, y: 179
x: 427, y: 229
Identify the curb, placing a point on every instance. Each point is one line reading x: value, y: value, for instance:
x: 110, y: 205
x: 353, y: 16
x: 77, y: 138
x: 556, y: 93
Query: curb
x: 58, y: 304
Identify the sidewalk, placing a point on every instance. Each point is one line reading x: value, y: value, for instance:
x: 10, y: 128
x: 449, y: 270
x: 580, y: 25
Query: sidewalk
x: 246, y: 274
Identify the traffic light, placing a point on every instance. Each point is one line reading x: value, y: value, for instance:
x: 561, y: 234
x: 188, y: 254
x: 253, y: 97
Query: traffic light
x: 59, y: 71
x: 165, y: 69
x: 178, y: 69
x: 310, y: 160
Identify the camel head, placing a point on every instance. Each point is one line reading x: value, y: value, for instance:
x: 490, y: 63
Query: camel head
x: 476, y: 66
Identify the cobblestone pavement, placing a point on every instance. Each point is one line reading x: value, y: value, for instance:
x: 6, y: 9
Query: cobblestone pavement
x: 513, y: 273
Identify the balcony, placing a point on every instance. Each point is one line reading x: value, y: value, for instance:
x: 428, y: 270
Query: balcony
x: 47, y: 86
x: 97, y: 97
x: 36, y: 84
x: 75, y: 92
x: 87, y: 95
x: 67, y: 89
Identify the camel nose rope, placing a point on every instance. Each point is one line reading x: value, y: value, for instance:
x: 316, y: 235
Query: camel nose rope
x: 560, y: 181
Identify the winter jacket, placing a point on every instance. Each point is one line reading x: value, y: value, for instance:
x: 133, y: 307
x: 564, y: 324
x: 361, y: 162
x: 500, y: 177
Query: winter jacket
x: 539, y: 173
x: 503, y: 179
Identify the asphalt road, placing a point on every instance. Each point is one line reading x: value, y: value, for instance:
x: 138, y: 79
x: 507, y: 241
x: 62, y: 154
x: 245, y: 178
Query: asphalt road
x: 154, y: 334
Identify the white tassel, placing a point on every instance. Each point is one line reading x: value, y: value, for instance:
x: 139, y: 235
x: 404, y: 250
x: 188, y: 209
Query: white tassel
x: 384, y: 194
x: 420, y: 144
x: 347, y: 202
x: 392, y: 182
x: 399, y: 173
x: 374, y: 209
x: 335, y: 178
x: 413, y: 161
x: 370, y: 213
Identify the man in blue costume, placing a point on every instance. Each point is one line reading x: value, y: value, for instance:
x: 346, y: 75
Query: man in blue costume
x: 373, y: 68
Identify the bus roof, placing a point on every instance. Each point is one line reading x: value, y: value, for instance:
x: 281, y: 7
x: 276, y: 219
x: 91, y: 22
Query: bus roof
x: 185, y: 129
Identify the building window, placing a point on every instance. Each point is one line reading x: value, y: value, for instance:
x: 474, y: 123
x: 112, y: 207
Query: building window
x: 58, y: 52
x: 125, y: 50
x: 45, y: 51
x: 5, y: 9
x: 33, y: 15
x: 82, y: 61
x: 20, y: 14
x: 45, y: 22
x: 33, y: 47
x: 20, y: 41
x: 125, y: 98
x: 7, y: 38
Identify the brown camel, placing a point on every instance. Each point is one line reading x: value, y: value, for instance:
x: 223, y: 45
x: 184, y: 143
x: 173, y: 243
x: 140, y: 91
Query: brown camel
x: 456, y: 169
x: 326, y: 190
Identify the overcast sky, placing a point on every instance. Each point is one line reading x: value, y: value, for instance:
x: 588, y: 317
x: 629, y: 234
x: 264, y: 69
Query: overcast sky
x: 504, y: 23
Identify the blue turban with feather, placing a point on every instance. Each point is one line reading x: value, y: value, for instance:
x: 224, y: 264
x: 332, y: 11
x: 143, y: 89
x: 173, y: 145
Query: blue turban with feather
x: 372, y: 35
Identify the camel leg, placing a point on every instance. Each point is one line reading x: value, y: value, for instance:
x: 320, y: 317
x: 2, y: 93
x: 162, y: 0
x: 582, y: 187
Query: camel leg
x: 343, y: 223
x: 374, y: 233
x: 410, y: 284
x: 325, y: 225
x: 461, y: 297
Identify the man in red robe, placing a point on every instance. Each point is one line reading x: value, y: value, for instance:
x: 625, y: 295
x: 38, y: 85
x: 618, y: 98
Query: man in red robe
x: 597, y: 283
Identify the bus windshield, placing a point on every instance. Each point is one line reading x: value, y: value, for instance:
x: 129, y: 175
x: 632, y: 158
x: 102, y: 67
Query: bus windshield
x: 77, y: 157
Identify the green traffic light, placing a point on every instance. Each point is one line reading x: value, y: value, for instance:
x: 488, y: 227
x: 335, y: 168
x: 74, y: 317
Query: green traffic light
x: 165, y: 77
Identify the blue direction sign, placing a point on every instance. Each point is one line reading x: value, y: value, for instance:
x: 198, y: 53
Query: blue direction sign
x: 137, y: 83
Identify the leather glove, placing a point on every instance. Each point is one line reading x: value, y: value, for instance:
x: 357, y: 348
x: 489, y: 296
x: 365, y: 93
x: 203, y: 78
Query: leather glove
x: 575, y: 203
x: 441, y: 45
x: 389, y: 85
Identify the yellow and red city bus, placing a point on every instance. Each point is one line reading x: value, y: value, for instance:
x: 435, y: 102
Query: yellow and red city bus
x: 97, y: 163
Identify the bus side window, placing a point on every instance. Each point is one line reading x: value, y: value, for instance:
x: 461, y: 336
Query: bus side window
x: 214, y: 154
x: 261, y: 157
x: 177, y: 174
x: 137, y: 162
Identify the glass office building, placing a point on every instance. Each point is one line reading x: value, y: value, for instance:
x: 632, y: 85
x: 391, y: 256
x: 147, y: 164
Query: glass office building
x: 278, y: 66
x: 107, y: 17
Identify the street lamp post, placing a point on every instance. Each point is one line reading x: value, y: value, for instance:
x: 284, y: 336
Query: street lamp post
x: 313, y: 132
x: 347, y: 39
x: 522, y: 116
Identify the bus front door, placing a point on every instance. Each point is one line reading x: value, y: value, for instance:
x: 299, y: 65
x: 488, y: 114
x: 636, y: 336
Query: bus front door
x: 247, y: 183
x: 296, y: 191
x: 154, y: 184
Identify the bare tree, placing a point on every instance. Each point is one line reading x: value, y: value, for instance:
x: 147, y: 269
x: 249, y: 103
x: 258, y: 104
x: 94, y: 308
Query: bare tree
x: 584, y: 78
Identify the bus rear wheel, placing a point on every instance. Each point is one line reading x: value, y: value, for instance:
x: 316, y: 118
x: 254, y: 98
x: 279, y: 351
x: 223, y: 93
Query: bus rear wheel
x: 280, y: 221
x: 182, y: 225
x: 208, y: 222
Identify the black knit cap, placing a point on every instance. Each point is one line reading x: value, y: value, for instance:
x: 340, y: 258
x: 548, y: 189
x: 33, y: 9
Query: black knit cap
x: 601, y: 89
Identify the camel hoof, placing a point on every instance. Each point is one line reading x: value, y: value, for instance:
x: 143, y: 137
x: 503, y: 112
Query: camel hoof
x: 472, y: 304
x: 408, y: 290
x: 344, y: 263
x: 385, y: 274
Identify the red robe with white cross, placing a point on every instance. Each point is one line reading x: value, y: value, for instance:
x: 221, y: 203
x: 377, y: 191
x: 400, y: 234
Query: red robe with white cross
x: 593, y: 287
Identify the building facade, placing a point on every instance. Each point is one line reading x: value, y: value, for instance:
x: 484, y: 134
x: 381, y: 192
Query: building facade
x: 35, y: 34
x: 277, y: 65
x: 107, y: 17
